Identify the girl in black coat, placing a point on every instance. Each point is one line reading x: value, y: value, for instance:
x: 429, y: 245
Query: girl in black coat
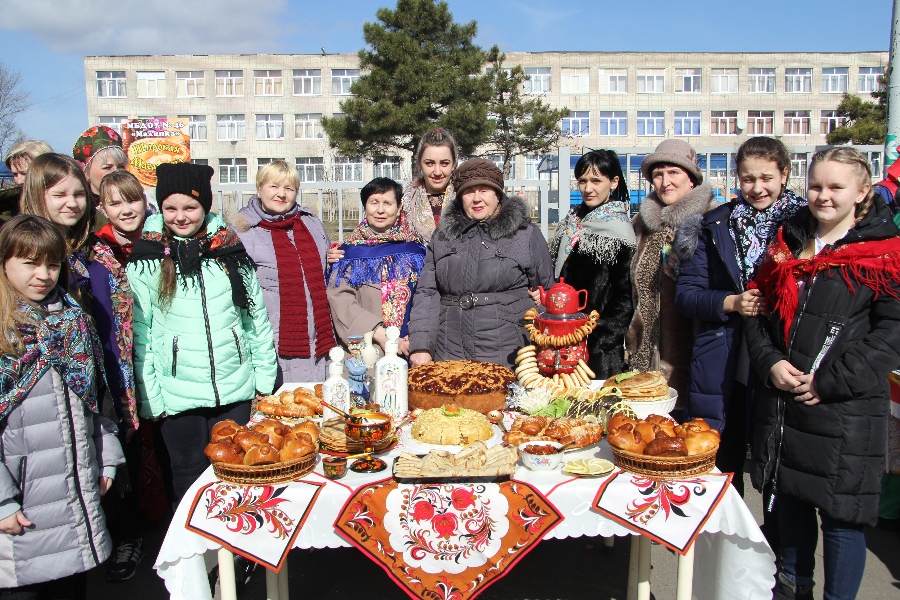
x: 592, y: 250
x: 830, y: 280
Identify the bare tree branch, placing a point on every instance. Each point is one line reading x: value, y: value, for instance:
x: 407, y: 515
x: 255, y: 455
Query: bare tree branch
x: 13, y: 102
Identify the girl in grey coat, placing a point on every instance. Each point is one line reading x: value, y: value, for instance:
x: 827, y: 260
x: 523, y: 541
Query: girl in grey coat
x: 58, y: 453
x: 483, y: 260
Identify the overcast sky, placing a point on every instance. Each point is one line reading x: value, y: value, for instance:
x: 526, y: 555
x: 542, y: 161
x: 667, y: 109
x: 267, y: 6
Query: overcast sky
x: 46, y: 40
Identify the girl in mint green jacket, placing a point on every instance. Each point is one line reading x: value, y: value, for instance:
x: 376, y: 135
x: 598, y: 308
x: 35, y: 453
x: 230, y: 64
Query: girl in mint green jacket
x: 202, y: 340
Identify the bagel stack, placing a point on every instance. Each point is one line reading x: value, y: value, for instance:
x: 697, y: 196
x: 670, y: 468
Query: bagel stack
x: 529, y: 375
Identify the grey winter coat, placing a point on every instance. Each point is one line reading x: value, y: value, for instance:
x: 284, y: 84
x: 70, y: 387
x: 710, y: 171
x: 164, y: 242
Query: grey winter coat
x: 258, y: 242
x: 54, y: 450
x: 473, y: 290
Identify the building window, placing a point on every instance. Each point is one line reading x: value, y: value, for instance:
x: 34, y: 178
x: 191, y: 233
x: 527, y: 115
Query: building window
x: 308, y: 126
x: 613, y: 81
x: 537, y: 80
x: 760, y: 122
x: 311, y: 168
x: 151, y: 84
x: 199, y: 161
x: 532, y: 161
x: 307, y: 82
x: 796, y: 122
x: 232, y: 170
x: 111, y: 84
x: 724, y: 81
x: 797, y: 80
x: 798, y: 165
x: 723, y: 122
x: 575, y: 81
x: 613, y: 122
x: 231, y: 127
x: 875, y: 163
x: 868, y: 79
x: 577, y: 124
x: 834, y: 80
x: 261, y: 162
x: 651, y: 122
x: 387, y: 166
x: 497, y: 159
x: 196, y: 127
x: 267, y: 83
x: 229, y: 83
x: 830, y: 121
x: 270, y: 127
x: 762, y: 81
x: 687, y: 81
x: 341, y: 80
x: 114, y: 123
x: 687, y: 122
x: 348, y: 168
x: 651, y: 81
x: 190, y: 84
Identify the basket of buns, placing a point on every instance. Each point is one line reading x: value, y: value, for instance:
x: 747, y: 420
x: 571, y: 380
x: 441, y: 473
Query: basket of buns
x: 264, y: 453
x: 658, y: 448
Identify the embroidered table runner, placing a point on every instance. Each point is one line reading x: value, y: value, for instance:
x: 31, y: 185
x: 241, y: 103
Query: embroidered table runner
x: 669, y: 512
x: 446, y: 540
x: 259, y: 522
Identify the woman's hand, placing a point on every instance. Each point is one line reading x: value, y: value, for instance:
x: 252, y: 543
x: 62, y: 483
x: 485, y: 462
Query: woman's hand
x: 105, y: 484
x: 535, y: 295
x: 379, y: 336
x: 750, y: 304
x: 403, y: 346
x: 334, y: 254
x: 13, y: 524
x: 785, y: 376
x: 806, y: 390
x: 420, y: 357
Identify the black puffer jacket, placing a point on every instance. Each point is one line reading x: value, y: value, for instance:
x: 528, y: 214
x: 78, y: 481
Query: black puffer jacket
x: 830, y: 455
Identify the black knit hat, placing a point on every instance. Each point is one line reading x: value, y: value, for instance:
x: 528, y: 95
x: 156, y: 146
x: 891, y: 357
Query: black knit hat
x: 185, y: 178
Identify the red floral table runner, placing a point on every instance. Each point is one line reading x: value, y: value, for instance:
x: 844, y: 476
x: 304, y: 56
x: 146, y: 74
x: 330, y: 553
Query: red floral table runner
x: 446, y: 541
x: 671, y: 512
x: 259, y: 522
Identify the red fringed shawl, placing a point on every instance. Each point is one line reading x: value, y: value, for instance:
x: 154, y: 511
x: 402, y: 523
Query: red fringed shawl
x: 873, y: 264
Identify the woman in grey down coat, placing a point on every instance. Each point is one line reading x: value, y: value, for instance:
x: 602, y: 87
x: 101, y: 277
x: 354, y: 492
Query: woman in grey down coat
x: 59, y: 454
x: 481, y: 263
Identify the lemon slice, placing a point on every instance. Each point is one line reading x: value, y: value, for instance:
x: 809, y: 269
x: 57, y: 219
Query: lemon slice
x: 588, y: 466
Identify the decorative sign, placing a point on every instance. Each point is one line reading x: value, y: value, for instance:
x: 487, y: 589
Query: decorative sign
x: 151, y: 142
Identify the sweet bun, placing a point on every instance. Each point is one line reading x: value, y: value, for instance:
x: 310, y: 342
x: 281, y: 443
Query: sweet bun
x: 666, y: 446
x: 647, y: 431
x: 307, y: 427
x: 274, y: 429
x: 533, y: 425
x: 701, y: 441
x: 248, y: 439
x: 224, y: 451
x: 618, y: 420
x: 297, y: 448
x: 626, y: 438
x: 265, y: 454
x: 224, y: 430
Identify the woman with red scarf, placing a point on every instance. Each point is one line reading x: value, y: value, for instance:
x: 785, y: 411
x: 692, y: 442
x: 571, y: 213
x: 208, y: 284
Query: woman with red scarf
x: 287, y: 244
x: 832, y: 336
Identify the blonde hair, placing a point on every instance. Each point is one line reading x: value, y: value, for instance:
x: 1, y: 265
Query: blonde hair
x: 27, y: 150
x: 46, y: 171
x: 128, y: 186
x: 25, y: 236
x: 850, y: 156
x: 277, y: 170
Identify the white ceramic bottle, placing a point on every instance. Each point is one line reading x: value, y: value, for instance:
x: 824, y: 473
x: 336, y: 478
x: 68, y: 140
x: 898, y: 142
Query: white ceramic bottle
x: 391, y: 378
x: 369, y: 353
x: 336, y: 389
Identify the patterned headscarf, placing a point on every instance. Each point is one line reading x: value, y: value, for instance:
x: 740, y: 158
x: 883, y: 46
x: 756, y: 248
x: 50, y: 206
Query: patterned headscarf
x: 92, y: 141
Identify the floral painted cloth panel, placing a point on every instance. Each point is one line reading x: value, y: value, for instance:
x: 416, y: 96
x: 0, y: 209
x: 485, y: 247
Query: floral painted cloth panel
x: 446, y: 540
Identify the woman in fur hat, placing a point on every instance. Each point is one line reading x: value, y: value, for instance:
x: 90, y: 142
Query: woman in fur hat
x: 482, y: 260
x: 660, y: 338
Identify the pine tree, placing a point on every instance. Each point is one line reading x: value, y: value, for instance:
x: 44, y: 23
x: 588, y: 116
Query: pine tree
x: 520, y: 126
x: 866, y: 122
x: 421, y: 70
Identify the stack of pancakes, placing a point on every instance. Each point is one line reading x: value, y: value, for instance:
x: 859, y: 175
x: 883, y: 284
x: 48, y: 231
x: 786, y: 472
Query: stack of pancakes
x: 647, y: 386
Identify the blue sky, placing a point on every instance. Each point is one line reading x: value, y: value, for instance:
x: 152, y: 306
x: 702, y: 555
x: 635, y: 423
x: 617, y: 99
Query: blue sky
x: 45, y: 40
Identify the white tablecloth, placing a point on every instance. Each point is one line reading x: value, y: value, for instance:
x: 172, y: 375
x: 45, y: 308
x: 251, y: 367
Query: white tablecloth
x: 732, y: 558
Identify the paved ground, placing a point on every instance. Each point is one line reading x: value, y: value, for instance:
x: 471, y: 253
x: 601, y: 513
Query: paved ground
x: 571, y: 569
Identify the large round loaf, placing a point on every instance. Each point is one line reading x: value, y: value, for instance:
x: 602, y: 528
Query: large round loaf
x: 469, y: 384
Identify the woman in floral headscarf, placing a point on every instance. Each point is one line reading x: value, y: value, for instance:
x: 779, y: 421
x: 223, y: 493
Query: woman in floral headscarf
x: 371, y: 287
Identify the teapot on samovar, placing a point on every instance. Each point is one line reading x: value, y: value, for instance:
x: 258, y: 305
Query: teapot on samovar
x: 560, y: 331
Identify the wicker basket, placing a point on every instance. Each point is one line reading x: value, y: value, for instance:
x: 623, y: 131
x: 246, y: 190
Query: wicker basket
x: 665, y: 467
x: 264, y: 474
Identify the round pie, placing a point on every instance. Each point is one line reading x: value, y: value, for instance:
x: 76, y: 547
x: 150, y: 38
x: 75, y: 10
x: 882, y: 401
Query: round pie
x: 451, y: 426
x: 478, y: 386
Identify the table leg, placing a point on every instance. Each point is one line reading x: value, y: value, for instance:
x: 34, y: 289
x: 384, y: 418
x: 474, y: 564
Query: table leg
x: 685, y: 576
x: 631, y: 592
x: 227, y: 587
x: 272, y: 591
x: 283, y: 582
x: 643, y: 585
